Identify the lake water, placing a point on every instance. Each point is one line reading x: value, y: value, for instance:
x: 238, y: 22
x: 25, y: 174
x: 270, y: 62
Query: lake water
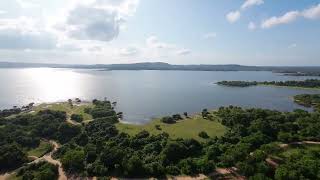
x: 143, y: 95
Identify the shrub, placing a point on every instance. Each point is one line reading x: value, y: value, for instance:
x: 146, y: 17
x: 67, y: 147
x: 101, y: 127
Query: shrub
x: 203, y: 135
x: 168, y: 120
x: 177, y: 117
x: 77, y: 117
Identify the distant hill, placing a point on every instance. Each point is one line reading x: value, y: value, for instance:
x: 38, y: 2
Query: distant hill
x: 166, y: 66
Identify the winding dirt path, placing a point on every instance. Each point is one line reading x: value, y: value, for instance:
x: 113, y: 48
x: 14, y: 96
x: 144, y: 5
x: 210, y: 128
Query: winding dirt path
x: 48, y: 158
x: 275, y: 164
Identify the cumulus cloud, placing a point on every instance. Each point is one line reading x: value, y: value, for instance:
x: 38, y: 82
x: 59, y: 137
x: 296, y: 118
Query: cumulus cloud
x: 233, y: 16
x: 98, y: 20
x: 210, y: 35
x: 310, y: 13
x: 249, y: 3
x: 22, y: 33
x: 87, y: 23
x: 285, y: 19
x: 79, y: 27
x: 252, y: 26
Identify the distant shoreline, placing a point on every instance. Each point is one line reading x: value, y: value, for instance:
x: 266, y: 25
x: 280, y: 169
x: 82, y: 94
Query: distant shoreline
x: 286, y: 70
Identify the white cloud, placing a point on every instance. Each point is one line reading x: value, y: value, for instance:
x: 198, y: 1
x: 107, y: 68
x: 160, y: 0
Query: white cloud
x: 285, y: 19
x: 252, y: 26
x: 183, y: 52
x: 22, y: 23
x: 3, y: 12
x: 233, y: 16
x: 23, y: 33
x: 291, y: 46
x: 129, y: 51
x: 210, y: 35
x: 87, y: 23
x: 249, y: 3
x: 97, y: 20
x: 312, y: 13
x: 154, y: 42
x: 27, y: 4
x: 158, y: 49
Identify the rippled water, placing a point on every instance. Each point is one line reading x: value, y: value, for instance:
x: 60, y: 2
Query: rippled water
x: 142, y: 95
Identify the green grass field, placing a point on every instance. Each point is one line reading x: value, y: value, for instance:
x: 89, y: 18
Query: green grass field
x: 65, y: 106
x: 187, y: 128
x: 41, y: 150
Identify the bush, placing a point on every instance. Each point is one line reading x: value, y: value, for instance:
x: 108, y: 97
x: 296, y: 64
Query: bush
x: 177, y: 117
x: 168, y: 120
x: 73, y: 160
x: 203, y: 135
x: 158, y: 127
x: 77, y: 117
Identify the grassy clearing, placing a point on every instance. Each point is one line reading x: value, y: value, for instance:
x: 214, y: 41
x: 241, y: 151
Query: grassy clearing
x: 41, y: 150
x: 187, y: 128
x: 294, y: 149
x: 65, y: 106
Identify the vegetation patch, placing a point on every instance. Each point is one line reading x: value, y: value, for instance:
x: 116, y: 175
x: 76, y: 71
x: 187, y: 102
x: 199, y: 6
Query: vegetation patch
x: 43, y: 148
x: 308, y: 100
x: 76, y: 108
x: 41, y: 170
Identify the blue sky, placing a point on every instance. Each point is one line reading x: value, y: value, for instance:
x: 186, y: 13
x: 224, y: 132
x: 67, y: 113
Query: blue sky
x: 248, y: 32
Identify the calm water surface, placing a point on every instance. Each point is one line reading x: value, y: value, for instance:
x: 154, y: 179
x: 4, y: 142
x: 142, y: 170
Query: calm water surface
x: 142, y: 95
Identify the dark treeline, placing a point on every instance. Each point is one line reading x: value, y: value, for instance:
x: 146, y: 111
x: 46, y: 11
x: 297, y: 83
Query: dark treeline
x: 15, y: 110
x: 309, y: 83
x: 237, y: 83
x: 98, y: 149
x: 301, y: 73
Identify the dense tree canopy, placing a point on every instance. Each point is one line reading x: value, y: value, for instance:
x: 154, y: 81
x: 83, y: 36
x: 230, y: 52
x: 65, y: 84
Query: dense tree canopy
x: 98, y: 149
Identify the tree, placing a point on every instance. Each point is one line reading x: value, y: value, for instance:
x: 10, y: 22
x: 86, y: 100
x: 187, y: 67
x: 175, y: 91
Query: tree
x: 203, y: 135
x: 73, y: 160
x: 134, y: 167
x: 11, y: 156
x: 173, y: 152
x: 67, y: 132
x: 177, y: 117
x: 205, y: 113
x: 168, y: 120
x: 77, y: 117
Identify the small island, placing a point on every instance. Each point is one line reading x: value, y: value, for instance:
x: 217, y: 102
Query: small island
x: 309, y: 83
